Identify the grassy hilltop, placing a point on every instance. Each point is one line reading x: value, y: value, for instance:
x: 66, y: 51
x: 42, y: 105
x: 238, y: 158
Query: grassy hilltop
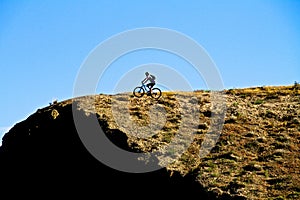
x: 256, y: 155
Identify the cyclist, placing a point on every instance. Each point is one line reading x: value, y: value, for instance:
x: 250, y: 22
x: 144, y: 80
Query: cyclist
x: 151, y: 79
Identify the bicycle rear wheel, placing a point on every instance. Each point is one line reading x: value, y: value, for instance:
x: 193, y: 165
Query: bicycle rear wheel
x: 156, y: 93
x: 138, y: 92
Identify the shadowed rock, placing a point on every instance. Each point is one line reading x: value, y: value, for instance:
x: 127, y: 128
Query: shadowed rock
x: 256, y: 155
x: 45, y: 153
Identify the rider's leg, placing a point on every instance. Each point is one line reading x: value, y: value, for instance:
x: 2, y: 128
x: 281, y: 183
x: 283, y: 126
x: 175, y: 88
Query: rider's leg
x: 151, y: 86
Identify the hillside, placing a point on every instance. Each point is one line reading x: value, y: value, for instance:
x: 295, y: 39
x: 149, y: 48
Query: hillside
x: 256, y: 156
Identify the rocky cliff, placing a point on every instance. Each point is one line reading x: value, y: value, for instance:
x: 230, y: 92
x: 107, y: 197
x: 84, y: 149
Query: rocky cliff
x: 256, y: 154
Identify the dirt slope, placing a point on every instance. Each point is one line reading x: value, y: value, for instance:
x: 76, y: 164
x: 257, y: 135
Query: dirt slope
x: 256, y: 155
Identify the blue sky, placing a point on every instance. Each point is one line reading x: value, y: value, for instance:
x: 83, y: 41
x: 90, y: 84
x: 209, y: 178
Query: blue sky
x: 44, y: 43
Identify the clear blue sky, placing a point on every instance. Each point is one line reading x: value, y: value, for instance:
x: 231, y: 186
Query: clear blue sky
x: 44, y: 43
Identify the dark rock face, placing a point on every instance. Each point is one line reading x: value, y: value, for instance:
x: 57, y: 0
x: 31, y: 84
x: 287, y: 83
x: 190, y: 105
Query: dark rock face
x: 45, y: 154
x: 255, y: 157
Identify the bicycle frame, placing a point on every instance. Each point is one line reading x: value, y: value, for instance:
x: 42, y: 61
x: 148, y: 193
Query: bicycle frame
x: 145, y: 88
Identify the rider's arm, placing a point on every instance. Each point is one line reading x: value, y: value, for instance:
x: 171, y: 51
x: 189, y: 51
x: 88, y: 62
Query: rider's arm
x: 145, y: 80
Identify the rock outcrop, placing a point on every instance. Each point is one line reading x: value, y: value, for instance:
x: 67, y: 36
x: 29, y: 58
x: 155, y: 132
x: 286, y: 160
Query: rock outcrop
x: 256, y: 154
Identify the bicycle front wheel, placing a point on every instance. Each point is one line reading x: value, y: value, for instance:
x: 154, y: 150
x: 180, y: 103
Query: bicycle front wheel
x: 138, y: 92
x: 156, y: 93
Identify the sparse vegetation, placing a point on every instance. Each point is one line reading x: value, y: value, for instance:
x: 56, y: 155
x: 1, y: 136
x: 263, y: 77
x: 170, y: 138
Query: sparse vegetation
x: 258, y: 101
x: 257, y: 155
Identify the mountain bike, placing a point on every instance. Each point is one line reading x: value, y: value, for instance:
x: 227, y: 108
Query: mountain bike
x: 140, y: 91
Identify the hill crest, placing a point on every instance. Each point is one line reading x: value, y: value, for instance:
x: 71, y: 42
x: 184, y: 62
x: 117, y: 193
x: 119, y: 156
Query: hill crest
x: 256, y: 155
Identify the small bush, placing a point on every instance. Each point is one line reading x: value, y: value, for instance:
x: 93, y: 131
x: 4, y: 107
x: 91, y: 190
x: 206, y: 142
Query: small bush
x: 258, y: 101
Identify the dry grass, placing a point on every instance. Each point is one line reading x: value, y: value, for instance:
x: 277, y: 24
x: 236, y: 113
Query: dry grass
x: 257, y: 155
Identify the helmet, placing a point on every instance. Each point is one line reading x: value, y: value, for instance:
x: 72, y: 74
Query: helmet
x: 146, y: 73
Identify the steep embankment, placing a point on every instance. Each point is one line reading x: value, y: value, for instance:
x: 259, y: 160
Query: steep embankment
x: 256, y: 156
